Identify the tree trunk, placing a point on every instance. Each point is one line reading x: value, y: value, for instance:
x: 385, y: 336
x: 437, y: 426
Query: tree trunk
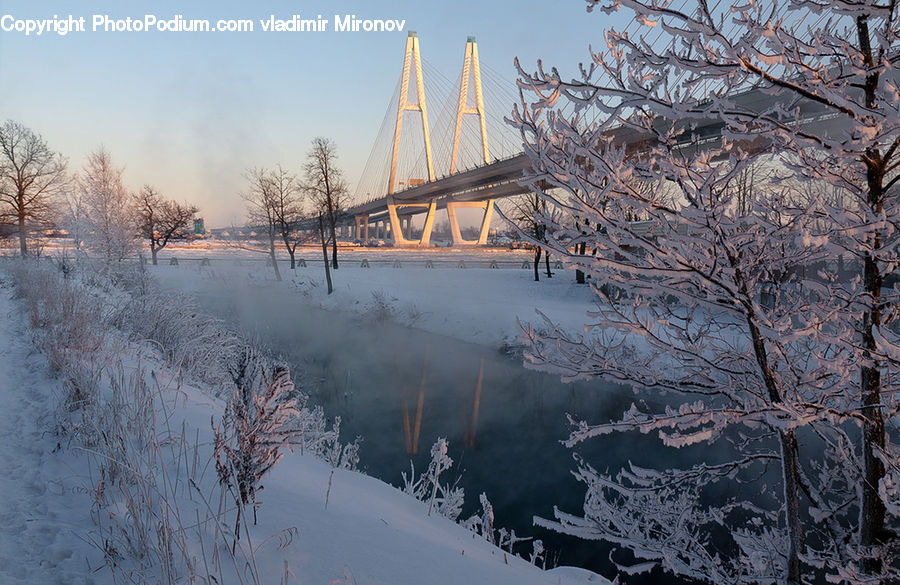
x: 153, y: 252
x: 334, y: 262
x: 23, y: 245
x: 272, y: 256
x: 790, y: 472
x: 547, y: 263
x: 789, y: 458
x: 325, y: 254
x: 872, y: 510
x: 579, y: 274
x: 537, y: 262
x: 291, y: 253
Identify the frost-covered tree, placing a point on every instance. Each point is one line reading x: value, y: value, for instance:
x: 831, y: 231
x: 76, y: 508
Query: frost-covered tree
x: 274, y: 201
x: 262, y: 201
x: 108, y: 208
x: 31, y: 174
x: 158, y: 219
x: 73, y: 217
x: 728, y: 292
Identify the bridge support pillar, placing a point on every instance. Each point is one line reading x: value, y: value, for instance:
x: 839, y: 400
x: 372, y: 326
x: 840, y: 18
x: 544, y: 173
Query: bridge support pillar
x: 397, y: 231
x: 362, y: 228
x: 429, y: 223
x: 405, y: 225
x: 458, y: 240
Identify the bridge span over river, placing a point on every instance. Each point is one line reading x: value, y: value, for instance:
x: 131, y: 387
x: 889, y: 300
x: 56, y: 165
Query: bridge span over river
x: 400, y: 180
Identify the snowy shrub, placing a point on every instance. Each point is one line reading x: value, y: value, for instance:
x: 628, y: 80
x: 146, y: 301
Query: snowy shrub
x: 381, y: 308
x: 256, y: 428
x: 537, y: 557
x: 508, y: 539
x: 328, y: 446
x: 68, y: 329
x: 446, y: 499
x: 195, y: 342
x: 313, y: 437
x: 146, y: 479
x: 412, y: 314
x: 118, y: 277
x: 483, y: 523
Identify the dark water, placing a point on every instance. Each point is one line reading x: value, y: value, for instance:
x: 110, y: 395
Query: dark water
x: 504, y: 423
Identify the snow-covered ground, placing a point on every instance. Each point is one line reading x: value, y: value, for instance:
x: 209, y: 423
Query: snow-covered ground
x: 44, y: 518
x: 370, y: 533
x: 461, y: 296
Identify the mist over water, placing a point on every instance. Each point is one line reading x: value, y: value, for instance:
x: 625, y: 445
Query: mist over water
x: 504, y: 432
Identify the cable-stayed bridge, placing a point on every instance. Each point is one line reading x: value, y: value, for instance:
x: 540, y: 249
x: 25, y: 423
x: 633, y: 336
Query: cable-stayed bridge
x: 466, y: 155
x: 459, y: 154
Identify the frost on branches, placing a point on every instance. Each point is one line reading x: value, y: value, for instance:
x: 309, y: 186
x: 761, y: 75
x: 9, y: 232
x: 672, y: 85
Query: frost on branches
x: 256, y: 429
x: 729, y: 175
x: 446, y: 499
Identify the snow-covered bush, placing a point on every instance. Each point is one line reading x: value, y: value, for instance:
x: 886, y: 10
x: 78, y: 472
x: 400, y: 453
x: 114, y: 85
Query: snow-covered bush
x: 154, y: 505
x: 446, y: 499
x: 197, y: 343
x: 486, y: 520
x: 256, y: 428
x: 382, y: 307
x: 109, y: 412
x: 67, y: 325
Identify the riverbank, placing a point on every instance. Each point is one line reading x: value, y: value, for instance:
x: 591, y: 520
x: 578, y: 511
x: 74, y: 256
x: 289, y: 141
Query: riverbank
x: 368, y: 533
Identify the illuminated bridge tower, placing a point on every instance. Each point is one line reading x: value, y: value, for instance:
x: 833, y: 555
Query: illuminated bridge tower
x: 471, y: 67
x: 411, y: 60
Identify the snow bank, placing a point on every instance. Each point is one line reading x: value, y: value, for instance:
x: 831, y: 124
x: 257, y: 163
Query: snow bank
x: 370, y: 532
x: 476, y: 304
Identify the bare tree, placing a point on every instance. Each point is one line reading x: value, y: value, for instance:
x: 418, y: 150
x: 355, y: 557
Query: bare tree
x: 710, y: 296
x: 326, y: 186
x: 323, y: 236
x: 287, y: 209
x: 31, y: 174
x: 159, y: 219
x: 109, y: 209
x: 262, y: 199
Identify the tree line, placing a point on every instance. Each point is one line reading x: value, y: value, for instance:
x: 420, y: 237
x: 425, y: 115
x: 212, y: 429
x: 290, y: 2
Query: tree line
x: 281, y: 201
x: 93, y: 204
x: 102, y: 216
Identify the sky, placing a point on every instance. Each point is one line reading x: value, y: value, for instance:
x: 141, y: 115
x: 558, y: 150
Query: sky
x: 189, y: 112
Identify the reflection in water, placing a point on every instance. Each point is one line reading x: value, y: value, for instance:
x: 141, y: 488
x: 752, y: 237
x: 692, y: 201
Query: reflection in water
x: 412, y: 442
x: 373, y: 374
x: 476, y: 403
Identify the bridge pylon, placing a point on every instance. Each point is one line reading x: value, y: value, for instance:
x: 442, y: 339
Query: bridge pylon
x: 411, y: 60
x: 471, y: 68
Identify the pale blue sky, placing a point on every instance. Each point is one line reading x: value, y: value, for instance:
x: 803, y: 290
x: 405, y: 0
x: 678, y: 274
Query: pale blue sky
x: 189, y: 112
